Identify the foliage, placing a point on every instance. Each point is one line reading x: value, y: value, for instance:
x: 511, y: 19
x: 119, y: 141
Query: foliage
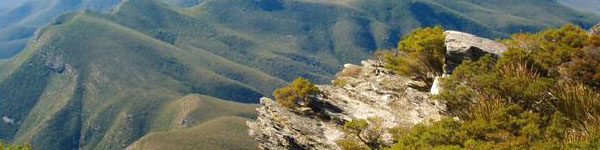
x: 580, y: 104
x: 509, y: 127
x: 124, y: 75
x: 541, y: 94
x: 585, y: 65
x: 420, y: 55
x: 485, y: 80
x: 363, y: 134
x: 351, y: 144
x: 13, y: 147
x: 568, y: 52
x: 339, y: 82
x: 352, y: 71
x: 299, y: 93
x: 429, y: 40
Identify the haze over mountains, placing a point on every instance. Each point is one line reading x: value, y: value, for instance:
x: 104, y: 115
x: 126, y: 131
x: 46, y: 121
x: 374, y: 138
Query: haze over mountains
x: 106, y: 77
x: 584, y: 5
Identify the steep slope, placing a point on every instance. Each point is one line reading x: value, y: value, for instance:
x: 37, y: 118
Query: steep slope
x: 585, y: 5
x: 221, y: 133
x: 199, y: 122
x: 24, y: 17
x: 21, y: 18
x: 93, y: 80
x: 99, y: 95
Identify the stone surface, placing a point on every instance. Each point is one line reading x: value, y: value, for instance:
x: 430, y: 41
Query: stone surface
x: 370, y: 91
x: 436, y: 88
x: 8, y: 120
x: 460, y: 46
x: 595, y: 30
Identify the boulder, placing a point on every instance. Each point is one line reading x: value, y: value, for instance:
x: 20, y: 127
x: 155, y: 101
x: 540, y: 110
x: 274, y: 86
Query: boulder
x: 460, y: 46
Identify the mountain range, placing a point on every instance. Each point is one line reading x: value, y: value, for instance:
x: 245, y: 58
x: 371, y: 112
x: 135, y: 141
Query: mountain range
x: 584, y: 5
x: 97, y: 74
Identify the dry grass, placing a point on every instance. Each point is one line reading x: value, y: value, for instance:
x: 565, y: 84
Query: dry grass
x: 339, y: 82
x: 579, y: 103
x: 352, y: 71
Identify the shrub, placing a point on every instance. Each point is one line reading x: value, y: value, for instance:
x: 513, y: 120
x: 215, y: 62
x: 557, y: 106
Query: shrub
x: 339, y: 82
x: 299, y: 93
x: 541, y: 94
x: 351, y: 144
x: 585, y: 65
x: 420, y: 55
x: 508, y: 127
x: 430, y: 40
x: 579, y: 103
x: 14, y: 147
x: 352, y: 71
x: 568, y: 52
x: 367, y: 132
x: 485, y: 80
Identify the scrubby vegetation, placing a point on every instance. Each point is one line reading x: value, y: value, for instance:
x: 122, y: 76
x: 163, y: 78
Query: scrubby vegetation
x: 363, y: 134
x: 420, y: 55
x: 339, y: 82
x: 543, y: 93
x: 299, y: 93
x: 132, y: 64
x: 13, y: 147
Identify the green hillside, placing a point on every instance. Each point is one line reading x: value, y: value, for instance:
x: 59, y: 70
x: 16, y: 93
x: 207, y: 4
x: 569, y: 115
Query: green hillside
x: 585, y: 5
x: 199, y: 122
x: 221, y: 133
x: 21, y: 18
x: 104, y: 80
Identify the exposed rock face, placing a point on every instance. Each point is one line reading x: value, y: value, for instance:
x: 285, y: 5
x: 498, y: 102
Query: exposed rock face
x: 595, y: 30
x: 370, y: 91
x: 460, y: 46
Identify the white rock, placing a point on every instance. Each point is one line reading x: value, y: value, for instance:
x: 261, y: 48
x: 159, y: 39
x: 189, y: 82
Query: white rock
x: 8, y: 120
x: 435, y: 88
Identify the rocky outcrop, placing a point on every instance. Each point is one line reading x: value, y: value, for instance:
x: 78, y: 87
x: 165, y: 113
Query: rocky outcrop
x: 368, y: 91
x: 362, y: 92
x: 595, y: 30
x: 460, y: 46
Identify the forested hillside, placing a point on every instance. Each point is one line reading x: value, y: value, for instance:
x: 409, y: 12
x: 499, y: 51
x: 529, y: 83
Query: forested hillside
x: 106, y: 79
x: 584, y: 5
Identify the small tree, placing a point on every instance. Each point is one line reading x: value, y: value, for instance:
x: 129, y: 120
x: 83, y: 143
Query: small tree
x: 367, y: 132
x: 298, y: 93
x: 420, y: 55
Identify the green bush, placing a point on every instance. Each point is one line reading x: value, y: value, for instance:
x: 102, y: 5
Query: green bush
x: 339, y: 82
x: 509, y: 127
x: 13, y: 147
x: 299, y: 93
x: 543, y: 93
x: 579, y: 103
x: 351, y: 144
x: 363, y: 134
x: 568, y: 52
x: 420, y: 55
